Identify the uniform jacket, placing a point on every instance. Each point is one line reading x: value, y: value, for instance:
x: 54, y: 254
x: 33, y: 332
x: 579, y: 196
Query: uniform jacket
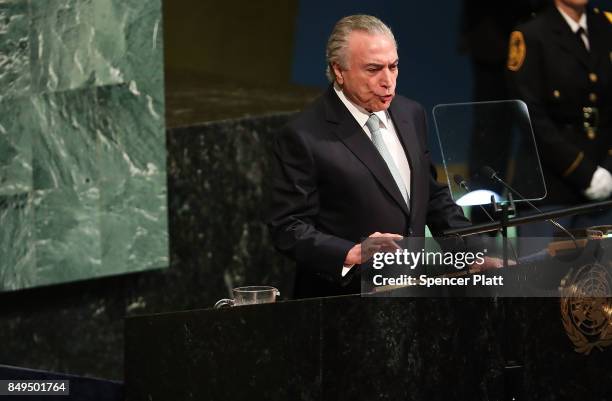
x: 568, y: 92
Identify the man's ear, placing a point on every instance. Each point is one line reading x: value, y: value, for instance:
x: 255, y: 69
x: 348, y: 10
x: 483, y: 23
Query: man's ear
x: 337, y: 73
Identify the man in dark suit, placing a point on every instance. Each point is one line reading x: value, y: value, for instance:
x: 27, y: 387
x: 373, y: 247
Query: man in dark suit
x: 560, y: 64
x: 354, y: 164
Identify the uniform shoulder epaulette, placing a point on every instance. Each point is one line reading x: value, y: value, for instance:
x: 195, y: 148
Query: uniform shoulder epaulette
x: 607, y: 14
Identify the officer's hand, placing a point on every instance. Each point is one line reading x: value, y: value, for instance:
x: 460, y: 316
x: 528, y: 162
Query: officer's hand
x: 601, y: 185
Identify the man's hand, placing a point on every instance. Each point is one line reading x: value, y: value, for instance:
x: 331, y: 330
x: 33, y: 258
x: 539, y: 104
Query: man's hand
x: 601, y: 185
x: 376, y: 242
x: 490, y: 263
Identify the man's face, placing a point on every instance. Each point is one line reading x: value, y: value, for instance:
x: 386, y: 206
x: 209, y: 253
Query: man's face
x: 573, y: 3
x: 372, y: 70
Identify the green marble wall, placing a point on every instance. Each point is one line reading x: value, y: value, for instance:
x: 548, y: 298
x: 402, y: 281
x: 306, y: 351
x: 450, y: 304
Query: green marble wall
x: 82, y: 140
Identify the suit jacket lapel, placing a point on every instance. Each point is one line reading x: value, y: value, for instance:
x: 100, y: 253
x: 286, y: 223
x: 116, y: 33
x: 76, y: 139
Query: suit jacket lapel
x: 354, y: 138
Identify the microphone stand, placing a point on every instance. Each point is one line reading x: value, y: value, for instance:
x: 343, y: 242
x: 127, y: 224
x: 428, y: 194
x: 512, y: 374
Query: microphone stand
x: 502, y: 211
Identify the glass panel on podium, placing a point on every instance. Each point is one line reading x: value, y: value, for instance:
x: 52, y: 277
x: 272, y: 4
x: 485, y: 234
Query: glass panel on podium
x: 498, y: 135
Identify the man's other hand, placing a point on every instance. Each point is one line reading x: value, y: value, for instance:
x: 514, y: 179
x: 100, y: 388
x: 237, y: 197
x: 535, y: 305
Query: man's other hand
x: 489, y: 263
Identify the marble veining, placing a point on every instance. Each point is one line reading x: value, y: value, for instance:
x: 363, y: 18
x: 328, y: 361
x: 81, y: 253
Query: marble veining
x: 15, y: 77
x: 82, y: 140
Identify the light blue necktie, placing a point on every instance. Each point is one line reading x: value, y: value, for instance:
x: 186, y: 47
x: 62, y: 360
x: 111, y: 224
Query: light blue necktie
x: 373, y: 124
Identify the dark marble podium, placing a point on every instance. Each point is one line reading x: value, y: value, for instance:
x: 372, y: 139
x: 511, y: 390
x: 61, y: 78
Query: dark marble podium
x: 354, y: 348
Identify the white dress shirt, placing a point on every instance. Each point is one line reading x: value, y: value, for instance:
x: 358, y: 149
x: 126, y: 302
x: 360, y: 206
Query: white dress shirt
x: 390, y: 138
x: 388, y: 131
x: 574, y: 26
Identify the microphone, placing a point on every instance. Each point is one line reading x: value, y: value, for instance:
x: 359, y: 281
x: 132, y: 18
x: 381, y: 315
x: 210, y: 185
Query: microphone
x: 459, y: 180
x: 492, y: 174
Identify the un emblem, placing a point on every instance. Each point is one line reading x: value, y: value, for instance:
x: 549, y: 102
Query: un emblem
x: 586, y: 307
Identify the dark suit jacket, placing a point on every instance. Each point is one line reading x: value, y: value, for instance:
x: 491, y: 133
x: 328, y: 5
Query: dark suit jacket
x: 559, y: 80
x: 331, y: 188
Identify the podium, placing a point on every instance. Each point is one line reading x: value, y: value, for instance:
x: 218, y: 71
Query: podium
x: 356, y: 348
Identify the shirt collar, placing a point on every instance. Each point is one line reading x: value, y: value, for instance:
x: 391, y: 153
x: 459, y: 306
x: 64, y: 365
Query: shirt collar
x: 359, y: 113
x: 574, y: 26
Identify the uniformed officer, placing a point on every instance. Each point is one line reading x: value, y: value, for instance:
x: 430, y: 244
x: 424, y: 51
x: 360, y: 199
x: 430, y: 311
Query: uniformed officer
x: 560, y: 64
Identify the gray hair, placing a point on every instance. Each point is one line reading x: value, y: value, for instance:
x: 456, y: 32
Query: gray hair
x: 338, y: 40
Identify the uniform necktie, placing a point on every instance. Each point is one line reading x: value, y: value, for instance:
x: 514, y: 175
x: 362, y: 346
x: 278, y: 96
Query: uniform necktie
x: 373, y: 124
x: 580, y: 39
